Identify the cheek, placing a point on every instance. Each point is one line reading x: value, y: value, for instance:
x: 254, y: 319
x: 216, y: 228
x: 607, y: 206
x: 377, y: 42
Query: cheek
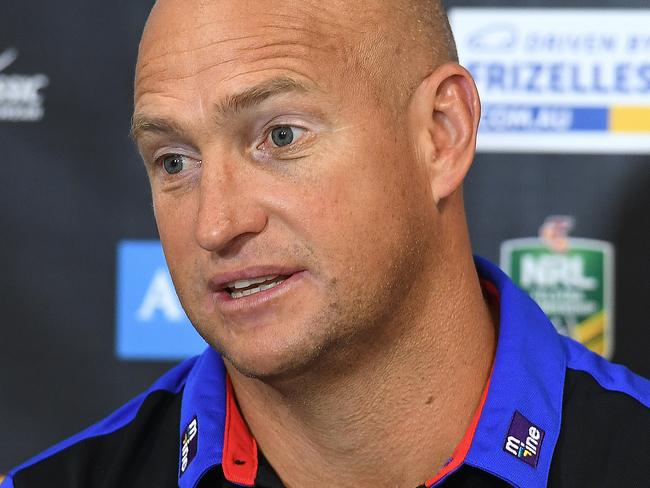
x: 361, y: 213
x: 175, y: 219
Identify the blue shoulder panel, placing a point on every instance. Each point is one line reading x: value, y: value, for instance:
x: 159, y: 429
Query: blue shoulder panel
x: 172, y: 381
x: 612, y: 377
x: 527, y: 386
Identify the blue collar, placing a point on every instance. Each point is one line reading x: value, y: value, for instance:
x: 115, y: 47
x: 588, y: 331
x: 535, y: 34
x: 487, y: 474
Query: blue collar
x: 527, y: 383
x: 204, y: 399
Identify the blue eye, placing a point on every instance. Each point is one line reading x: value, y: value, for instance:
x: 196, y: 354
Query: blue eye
x: 282, y: 135
x: 173, y: 163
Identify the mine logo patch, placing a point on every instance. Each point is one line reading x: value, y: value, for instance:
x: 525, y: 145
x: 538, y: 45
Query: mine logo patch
x: 524, y: 440
x: 189, y: 444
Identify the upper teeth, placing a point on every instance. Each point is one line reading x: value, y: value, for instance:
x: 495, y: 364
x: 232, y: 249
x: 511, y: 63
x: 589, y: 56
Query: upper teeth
x: 253, y: 281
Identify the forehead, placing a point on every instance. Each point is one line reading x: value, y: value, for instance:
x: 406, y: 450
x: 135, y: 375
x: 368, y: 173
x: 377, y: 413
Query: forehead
x: 192, y: 44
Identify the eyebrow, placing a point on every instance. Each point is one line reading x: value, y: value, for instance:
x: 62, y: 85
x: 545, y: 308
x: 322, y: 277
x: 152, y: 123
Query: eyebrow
x: 233, y: 104
x: 140, y: 124
x: 225, y: 109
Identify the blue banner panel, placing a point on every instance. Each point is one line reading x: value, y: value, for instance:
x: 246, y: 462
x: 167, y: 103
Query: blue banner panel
x: 151, y: 324
x: 529, y: 118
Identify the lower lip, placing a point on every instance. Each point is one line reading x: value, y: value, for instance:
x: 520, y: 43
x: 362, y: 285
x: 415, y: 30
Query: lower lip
x: 228, y: 305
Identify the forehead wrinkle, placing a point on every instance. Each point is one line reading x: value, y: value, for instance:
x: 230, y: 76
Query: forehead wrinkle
x: 293, y: 41
x: 150, y: 63
x: 300, y: 30
x: 258, y: 58
x: 322, y: 16
x: 307, y: 22
x: 143, y: 78
x: 283, y: 50
x: 284, y: 69
x: 280, y: 44
x: 210, y: 44
x: 302, y: 24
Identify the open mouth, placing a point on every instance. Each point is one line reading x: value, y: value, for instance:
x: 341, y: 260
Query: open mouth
x: 247, y: 287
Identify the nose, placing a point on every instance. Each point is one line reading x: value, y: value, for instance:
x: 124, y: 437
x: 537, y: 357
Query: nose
x: 229, y: 207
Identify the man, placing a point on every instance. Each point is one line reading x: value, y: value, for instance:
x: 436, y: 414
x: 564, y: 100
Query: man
x: 306, y: 164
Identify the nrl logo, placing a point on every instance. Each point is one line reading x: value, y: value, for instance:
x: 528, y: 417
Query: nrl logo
x: 571, y: 279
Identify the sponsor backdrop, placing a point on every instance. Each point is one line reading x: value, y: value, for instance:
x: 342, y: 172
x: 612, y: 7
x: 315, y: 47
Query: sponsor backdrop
x: 558, y: 195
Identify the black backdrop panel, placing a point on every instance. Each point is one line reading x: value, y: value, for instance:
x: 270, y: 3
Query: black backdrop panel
x: 73, y: 188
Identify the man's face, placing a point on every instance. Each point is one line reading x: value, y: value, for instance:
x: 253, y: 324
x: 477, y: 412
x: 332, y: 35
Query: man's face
x: 289, y: 205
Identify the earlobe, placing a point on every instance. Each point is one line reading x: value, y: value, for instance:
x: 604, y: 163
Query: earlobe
x: 445, y: 111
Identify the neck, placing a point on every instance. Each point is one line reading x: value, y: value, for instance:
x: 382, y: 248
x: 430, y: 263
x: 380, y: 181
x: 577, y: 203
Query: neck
x: 392, y: 412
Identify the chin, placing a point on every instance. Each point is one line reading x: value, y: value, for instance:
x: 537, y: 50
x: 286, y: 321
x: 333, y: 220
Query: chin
x: 270, y: 365
x: 269, y: 354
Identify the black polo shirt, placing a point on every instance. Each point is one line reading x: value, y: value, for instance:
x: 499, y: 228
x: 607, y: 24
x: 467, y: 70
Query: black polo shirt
x: 553, y: 414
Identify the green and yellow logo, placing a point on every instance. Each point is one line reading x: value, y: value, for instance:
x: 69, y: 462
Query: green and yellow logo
x: 570, y: 278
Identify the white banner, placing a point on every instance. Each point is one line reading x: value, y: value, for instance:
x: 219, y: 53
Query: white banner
x: 559, y: 80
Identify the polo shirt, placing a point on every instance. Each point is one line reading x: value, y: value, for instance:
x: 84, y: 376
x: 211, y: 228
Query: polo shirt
x: 553, y: 414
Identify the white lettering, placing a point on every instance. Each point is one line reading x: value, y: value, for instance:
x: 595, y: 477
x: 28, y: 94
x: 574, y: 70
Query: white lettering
x: 21, y: 99
x: 184, y: 458
x: 512, y: 445
x: 192, y: 430
x: 190, y: 434
x: 531, y: 445
x: 161, y: 297
x: 553, y: 270
x: 22, y: 88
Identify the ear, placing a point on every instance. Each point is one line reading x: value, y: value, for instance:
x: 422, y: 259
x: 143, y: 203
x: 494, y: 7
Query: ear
x: 444, y: 113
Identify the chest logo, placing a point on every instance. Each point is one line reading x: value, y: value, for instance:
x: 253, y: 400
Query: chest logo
x: 189, y: 444
x: 524, y: 440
